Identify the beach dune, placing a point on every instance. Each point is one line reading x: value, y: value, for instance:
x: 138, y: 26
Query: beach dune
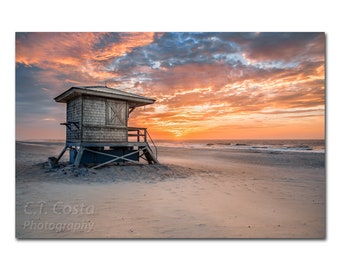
x: 194, y: 193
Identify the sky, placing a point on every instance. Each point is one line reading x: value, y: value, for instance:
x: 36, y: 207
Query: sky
x: 206, y: 85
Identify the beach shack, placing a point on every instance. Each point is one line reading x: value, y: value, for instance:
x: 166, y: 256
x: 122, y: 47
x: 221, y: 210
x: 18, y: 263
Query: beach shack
x: 97, y: 130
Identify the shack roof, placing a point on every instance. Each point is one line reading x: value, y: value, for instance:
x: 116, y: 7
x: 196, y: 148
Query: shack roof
x: 103, y: 91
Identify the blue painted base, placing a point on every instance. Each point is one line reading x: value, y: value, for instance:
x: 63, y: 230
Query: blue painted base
x: 94, y: 158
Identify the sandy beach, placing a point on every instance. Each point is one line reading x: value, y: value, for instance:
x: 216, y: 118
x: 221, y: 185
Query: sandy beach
x: 195, y: 193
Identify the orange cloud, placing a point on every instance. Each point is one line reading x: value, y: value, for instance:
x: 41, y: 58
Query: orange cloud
x: 127, y: 42
x: 71, y: 49
x: 285, y: 96
x: 79, y: 56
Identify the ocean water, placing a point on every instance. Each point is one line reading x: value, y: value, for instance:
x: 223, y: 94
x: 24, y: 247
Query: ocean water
x: 307, y: 146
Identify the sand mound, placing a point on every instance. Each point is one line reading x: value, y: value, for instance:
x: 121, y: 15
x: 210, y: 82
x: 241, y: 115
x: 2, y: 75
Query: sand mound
x: 140, y: 173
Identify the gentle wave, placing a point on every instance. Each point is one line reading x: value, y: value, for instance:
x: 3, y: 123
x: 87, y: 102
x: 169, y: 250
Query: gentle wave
x: 310, y: 146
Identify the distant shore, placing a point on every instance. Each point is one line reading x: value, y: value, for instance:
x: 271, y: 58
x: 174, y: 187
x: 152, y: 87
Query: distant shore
x: 195, y: 193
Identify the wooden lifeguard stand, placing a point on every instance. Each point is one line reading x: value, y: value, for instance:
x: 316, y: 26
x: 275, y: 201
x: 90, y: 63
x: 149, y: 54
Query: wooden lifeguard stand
x: 97, y: 129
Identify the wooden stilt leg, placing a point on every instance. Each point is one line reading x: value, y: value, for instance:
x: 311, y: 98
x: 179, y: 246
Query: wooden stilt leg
x: 79, y: 156
x: 62, y: 153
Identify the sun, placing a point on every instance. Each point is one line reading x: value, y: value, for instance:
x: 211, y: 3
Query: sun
x: 178, y: 133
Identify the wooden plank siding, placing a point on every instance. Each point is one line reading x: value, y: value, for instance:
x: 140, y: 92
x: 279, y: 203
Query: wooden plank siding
x: 104, y: 134
x: 94, y: 111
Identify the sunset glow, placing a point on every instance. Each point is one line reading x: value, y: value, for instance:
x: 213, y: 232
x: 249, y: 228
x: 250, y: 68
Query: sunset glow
x: 206, y: 85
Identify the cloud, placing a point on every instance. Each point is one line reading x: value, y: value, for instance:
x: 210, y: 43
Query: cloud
x: 82, y: 57
x: 285, y: 47
x: 198, y: 79
x: 48, y: 50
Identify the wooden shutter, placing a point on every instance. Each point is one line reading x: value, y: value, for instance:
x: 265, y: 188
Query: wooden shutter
x: 116, y: 113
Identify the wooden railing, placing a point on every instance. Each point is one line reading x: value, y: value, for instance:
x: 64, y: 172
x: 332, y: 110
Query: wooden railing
x: 141, y: 135
x: 138, y: 134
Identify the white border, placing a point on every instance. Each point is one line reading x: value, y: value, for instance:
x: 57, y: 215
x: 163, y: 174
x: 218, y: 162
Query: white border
x: 168, y: 16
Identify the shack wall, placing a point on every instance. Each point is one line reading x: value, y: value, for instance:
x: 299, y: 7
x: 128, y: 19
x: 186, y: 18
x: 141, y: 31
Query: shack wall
x: 73, y: 114
x: 104, y: 120
x: 94, y: 111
